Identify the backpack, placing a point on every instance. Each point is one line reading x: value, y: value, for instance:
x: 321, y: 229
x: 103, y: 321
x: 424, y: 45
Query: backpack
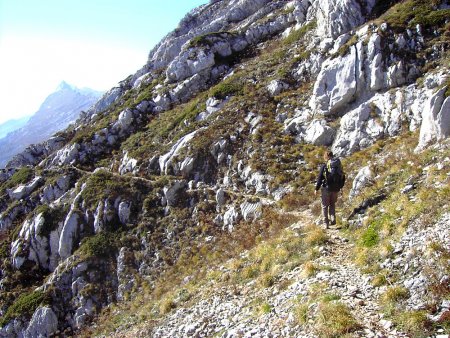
x: 335, y: 175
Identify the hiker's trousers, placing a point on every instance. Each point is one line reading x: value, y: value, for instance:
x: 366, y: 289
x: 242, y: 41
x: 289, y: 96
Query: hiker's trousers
x: 329, y: 199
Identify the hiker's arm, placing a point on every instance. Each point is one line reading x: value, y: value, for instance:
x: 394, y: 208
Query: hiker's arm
x: 320, y: 179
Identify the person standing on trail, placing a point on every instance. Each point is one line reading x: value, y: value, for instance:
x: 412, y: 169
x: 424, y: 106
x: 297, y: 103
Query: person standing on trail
x: 331, y: 179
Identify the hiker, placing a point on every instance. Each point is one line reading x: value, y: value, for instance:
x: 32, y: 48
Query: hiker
x: 331, y: 179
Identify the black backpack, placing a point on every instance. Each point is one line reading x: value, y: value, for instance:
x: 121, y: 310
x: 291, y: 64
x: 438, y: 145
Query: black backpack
x: 334, y: 174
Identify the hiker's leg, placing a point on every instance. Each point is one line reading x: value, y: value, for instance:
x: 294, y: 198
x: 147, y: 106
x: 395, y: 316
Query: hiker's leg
x: 332, y: 208
x: 325, y: 205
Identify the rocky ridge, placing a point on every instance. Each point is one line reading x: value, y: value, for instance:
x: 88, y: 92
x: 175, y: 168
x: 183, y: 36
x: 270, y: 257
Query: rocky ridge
x: 222, y: 126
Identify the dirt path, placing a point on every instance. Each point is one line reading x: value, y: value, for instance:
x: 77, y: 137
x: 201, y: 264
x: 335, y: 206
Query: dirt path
x: 232, y: 311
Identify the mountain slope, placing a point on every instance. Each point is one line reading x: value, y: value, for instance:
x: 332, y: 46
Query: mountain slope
x: 187, y: 191
x: 11, y: 125
x: 57, y: 111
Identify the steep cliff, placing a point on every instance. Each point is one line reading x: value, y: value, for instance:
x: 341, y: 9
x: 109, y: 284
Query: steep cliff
x: 185, y: 195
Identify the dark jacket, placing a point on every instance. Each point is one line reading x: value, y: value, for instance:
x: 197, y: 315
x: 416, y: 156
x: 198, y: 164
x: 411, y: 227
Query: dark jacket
x: 322, y: 178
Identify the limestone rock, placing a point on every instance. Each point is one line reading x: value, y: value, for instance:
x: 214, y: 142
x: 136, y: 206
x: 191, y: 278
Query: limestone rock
x: 37, y: 244
x: 336, y: 84
x: 171, y: 193
x: 362, y: 179
x: 24, y: 190
x: 70, y: 234
x: 435, y: 119
x: 357, y: 131
x: 335, y: 18
x: 319, y: 133
x: 230, y: 218
x: 124, y: 212
x: 166, y: 160
x: 251, y: 210
x: 44, y: 323
x: 275, y: 87
x: 128, y: 165
x: 54, y: 191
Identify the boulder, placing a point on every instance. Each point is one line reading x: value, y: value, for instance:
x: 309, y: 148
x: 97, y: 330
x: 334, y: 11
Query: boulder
x: 128, y: 165
x: 319, y: 133
x: 23, y: 191
x: 230, y: 218
x: 251, y: 210
x: 124, y: 212
x: 275, y: 87
x: 435, y: 119
x: 357, y: 131
x: 44, y: 323
x: 362, y: 179
x: 171, y: 193
x: 67, y: 155
x: 165, y: 161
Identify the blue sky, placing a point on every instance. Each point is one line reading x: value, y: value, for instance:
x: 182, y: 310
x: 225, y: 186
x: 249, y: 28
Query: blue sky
x: 88, y: 43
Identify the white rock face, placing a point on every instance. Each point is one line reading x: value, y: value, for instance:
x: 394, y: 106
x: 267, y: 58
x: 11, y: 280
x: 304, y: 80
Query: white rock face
x: 124, y: 122
x: 319, y: 133
x: 275, y: 87
x: 165, y: 161
x: 336, y: 84
x: 362, y: 179
x: 67, y: 155
x: 230, y: 218
x: 69, y: 234
x: 357, y: 131
x: 189, y: 63
x: 24, y: 190
x: 128, y: 165
x: 251, y: 210
x: 43, y: 324
x: 31, y: 245
x: 124, y: 211
x: 54, y: 191
x: 336, y: 17
x: 435, y: 119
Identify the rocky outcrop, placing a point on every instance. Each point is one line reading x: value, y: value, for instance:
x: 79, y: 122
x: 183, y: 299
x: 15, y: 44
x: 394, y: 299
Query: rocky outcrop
x: 435, y: 119
x: 37, y: 242
x: 44, y: 323
x: 24, y: 190
x: 363, y: 178
x: 335, y: 18
x: 36, y: 152
x: 168, y: 161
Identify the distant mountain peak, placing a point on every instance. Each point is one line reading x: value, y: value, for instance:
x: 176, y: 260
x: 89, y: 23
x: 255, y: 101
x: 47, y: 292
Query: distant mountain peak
x: 65, y: 86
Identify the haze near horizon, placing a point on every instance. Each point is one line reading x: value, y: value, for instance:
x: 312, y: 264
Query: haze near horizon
x: 93, y: 44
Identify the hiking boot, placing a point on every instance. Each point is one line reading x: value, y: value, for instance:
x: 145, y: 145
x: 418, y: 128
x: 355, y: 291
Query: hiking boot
x: 333, y: 222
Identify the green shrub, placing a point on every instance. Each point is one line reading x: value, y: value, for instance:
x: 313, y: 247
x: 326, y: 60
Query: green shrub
x: 370, y: 237
x: 103, y: 244
x: 228, y: 87
x: 300, y: 33
x: 24, y: 305
x: 23, y: 175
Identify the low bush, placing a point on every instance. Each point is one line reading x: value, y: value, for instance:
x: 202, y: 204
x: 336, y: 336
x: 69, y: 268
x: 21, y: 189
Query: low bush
x: 24, y: 305
x: 335, y: 320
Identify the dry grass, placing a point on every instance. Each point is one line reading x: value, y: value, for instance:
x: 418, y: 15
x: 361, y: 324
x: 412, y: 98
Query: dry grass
x: 335, y: 320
